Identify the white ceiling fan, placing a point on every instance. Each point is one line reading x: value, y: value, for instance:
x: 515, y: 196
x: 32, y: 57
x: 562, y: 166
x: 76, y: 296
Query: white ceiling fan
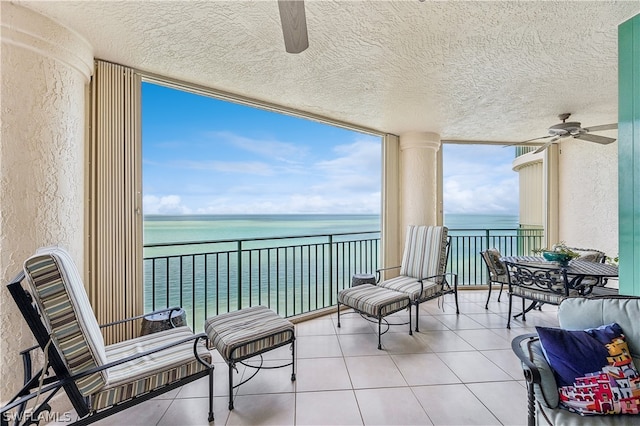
x: 573, y: 129
x: 294, y: 25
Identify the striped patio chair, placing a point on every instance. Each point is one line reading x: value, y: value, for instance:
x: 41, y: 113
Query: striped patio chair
x: 99, y: 379
x: 422, y: 272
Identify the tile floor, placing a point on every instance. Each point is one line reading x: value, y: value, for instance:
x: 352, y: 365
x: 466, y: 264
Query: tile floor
x: 458, y: 370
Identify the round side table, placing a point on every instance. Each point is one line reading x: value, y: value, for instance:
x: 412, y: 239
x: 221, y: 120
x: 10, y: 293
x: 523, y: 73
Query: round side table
x: 161, y: 321
x: 359, y: 279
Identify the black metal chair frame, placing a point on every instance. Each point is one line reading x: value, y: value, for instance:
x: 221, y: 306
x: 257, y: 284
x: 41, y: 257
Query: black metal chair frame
x: 232, y: 361
x: 493, y: 273
x: 538, y: 278
x: 446, y: 287
x: 380, y: 318
x: 62, y: 379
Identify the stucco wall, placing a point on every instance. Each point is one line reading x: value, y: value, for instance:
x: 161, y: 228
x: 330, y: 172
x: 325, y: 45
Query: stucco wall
x: 588, y: 195
x: 45, y: 71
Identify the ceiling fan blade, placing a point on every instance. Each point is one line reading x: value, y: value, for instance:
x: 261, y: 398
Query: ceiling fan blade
x: 546, y: 145
x: 294, y: 25
x: 602, y: 127
x: 595, y: 138
x: 530, y: 140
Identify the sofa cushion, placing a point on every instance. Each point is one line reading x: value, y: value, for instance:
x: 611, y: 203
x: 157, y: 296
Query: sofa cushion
x: 582, y: 313
x: 593, y: 369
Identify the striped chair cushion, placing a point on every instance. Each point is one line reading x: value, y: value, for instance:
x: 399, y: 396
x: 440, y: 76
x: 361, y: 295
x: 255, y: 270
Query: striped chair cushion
x: 241, y: 334
x: 541, y: 296
x: 425, y: 253
x: 137, y: 377
x: 62, y: 300
x: 373, y: 300
x: 411, y: 287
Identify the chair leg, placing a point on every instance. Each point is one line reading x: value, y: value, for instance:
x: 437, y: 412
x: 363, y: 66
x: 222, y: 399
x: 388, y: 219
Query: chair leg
x: 523, y: 311
x: 379, y: 331
x: 293, y: 360
x: 509, y: 313
x: 230, y: 385
x: 417, y: 318
x: 486, y: 305
x: 211, y: 418
x: 500, y: 294
x: 338, y: 314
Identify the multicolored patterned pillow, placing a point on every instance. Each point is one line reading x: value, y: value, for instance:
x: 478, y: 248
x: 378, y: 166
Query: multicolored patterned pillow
x: 593, y: 368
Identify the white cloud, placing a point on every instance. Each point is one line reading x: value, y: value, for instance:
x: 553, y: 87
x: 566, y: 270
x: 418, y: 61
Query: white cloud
x: 168, y: 204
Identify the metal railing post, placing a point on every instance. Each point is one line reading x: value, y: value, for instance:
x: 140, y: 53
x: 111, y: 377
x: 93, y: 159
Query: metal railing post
x: 331, y: 301
x: 239, y: 274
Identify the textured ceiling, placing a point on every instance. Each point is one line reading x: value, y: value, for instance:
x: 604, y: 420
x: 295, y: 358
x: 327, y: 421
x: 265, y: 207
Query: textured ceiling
x: 493, y: 71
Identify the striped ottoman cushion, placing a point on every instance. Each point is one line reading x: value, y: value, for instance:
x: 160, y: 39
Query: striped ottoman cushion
x: 373, y: 300
x: 248, y: 331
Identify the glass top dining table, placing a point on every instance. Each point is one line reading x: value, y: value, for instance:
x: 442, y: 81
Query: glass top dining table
x: 575, y: 267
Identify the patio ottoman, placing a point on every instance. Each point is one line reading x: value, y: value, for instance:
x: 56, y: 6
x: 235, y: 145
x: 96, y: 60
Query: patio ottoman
x: 374, y: 301
x: 246, y: 333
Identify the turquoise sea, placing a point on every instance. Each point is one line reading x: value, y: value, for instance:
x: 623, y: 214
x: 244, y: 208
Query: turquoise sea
x: 189, y: 228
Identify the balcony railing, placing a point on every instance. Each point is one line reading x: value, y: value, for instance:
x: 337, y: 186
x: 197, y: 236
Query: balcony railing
x: 293, y: 275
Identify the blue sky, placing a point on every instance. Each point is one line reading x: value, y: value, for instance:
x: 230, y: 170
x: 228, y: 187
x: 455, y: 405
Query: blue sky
x: 206, y: 156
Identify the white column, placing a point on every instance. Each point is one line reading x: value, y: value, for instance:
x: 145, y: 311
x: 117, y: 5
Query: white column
x: 45, y: 71
x: 420, y: 198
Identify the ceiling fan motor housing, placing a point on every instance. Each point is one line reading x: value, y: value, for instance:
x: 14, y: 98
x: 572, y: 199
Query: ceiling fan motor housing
x: 566, y: 129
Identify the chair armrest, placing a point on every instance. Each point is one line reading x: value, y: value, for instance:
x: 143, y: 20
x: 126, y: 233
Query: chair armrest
x: 531, y: 372
x: 159, y: 311
x: 383, y: 269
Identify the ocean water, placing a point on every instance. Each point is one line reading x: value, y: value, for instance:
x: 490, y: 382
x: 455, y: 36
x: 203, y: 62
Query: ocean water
x: 189, y: 228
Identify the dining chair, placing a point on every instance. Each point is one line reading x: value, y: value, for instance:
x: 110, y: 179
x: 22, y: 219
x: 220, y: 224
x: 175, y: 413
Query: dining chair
x: 539, y: 283
x: 497, y: 271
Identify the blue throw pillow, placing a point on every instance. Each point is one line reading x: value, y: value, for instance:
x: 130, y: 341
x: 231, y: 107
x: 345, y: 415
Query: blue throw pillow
x: 593, y: 368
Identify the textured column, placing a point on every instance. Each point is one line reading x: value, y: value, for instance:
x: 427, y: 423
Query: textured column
x: 419, y: 199
x: 45, y: 71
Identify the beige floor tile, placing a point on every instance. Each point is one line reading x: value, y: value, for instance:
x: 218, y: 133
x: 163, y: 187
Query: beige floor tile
x: 318, y: 346
x: 484, y: 339
x: 200, y: 388
x: 459, y: 322
x: 444, y: 341
x: 267, y: 380
x: 506, y: 400
x: 453, y: 405
x: 352, y: 323
x: 489, y: 319
x: 390, y: 406
x: 374, y: 372
x: 322, y: 374
x: 506, y: 360
x: 473, y: 367
x: 147, y: 413
x: 327, y: 408
x: 467, y: 308
x: 424, y: 369
x: 195, y: 411
x: 403, y: 343
x: 315, y: 327
x: 360, y: 344
x: 429, y: 322
x: 271, y: 409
